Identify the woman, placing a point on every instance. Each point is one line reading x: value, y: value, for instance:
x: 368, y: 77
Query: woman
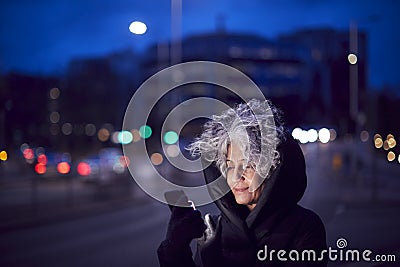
x: 265, y: 170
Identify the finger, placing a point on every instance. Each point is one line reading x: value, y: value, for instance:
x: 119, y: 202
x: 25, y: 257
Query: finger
x: 209, y: 222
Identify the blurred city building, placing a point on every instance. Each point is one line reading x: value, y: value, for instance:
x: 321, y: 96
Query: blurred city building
x: 329, y: 50
x: 25, y: 108
x: 306, y: 73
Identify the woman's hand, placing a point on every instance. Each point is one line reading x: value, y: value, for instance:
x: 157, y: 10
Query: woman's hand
x: 184, y: 225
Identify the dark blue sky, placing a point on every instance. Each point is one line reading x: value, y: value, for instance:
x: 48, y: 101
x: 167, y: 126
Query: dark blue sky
x: 42, y: 36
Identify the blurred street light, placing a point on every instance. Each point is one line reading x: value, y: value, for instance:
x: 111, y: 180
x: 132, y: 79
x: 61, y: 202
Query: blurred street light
x: 352, y: 58
x: 171, y: 137
x: 63, y: 167
x: 156, y: 158
x: 145, y: 131
x: 324, y: 135
x: 3, y: 155
x: 391, y: 156
x: 137, y: 27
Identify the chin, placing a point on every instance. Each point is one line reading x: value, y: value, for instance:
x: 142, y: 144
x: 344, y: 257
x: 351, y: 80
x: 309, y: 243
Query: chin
x: 242, y: 201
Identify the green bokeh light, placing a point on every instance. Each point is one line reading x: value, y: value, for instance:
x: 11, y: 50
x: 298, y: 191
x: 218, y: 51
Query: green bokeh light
x: 125, y: 137
x: 171, y: 137
x: 145, y: 131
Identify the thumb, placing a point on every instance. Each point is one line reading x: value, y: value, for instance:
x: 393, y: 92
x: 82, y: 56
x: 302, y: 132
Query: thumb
x: 210, y: 231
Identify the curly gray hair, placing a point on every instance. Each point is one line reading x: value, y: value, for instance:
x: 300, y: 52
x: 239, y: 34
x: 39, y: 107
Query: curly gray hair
x: 256, y: 126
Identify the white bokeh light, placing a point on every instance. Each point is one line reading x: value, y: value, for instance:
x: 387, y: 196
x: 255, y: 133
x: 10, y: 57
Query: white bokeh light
x: 324, y: 135
x: 137, y: 27
x: 312, y: 135
x: 296, y: 133
x: 352, y: 59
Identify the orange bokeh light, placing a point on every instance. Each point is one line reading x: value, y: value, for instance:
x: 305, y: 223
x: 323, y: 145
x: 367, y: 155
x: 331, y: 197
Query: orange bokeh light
x: 63, y: 167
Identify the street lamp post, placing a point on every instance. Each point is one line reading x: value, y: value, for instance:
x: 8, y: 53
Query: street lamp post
x: 353, y: 87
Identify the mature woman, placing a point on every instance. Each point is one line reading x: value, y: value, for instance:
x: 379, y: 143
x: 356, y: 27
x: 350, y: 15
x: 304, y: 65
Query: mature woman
x: 265, y: 170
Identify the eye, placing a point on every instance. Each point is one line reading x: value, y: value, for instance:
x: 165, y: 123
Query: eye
x: 229, y: 167
x: 250, y: 167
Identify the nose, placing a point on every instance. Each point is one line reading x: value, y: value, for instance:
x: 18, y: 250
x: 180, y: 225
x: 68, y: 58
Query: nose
x: 238, y: 175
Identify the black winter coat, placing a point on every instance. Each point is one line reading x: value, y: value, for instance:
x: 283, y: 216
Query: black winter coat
x: 241, y: 237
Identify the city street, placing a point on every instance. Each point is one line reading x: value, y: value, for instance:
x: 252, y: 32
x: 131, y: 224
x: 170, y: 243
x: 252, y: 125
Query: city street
x: 125, y: 229
x: 105, y: 107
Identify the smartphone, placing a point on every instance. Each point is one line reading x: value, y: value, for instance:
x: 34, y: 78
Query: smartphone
x: 178, y: 198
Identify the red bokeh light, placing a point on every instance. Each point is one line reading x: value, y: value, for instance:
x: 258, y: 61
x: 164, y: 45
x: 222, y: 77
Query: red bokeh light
x: 40, y: 168
x: 124, y: 160
x: 63, y: 167
x: 28, y: 153
x: 84, y: 169
x: 42, y: 159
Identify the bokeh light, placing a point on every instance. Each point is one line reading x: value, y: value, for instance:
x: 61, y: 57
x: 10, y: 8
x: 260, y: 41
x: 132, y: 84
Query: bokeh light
x: 296, y: 133
x: 114, y: 137
x: 137, y: 27
x: 171, y: 137
x: 333, y: 134
x: 386, y: 145
x: 66, y: 128
x: 376, y: 136
x: 40, y: 168
x: 364, y: 136
x: 54, y: 93
x: 125, y: 161
x: 103, y: 134
x: 54, y: 129
x: 54, y: 117
x: 28, y: 153
x: 23, y: 147
x: 39, y: 150
x: 118, y: 168
x: 378, y: 142
x: 392, y: 142
x: 352, y: 59
x: 90, y: 129
x: 125, y: 137
x: 391, y: 156
x: 156, y: 158
x: 135, y: 135
x: 324, y: 135
x: 42, y: 158
x: 173, y: 151
x: 63, y: 167
x: 303, y: 138
x: 145, y: 131
x: 84, y: 169
x: 312, y: 135
x: 3, y: 155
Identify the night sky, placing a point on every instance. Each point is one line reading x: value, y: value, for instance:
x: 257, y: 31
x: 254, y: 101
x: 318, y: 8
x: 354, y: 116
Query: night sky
x: 41, y: 36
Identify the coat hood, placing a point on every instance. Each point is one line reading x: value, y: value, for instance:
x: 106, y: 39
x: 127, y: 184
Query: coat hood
x: 282, y: 190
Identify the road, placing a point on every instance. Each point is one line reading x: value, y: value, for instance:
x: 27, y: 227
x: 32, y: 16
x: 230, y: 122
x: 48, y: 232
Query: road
x: 128, y: 232
x: 127, y: 237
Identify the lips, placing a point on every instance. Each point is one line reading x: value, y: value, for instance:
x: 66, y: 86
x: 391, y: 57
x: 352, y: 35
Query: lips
x: 240, y: 190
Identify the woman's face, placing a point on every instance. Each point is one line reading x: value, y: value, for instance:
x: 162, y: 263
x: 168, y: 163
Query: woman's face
x: 241, y: 177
